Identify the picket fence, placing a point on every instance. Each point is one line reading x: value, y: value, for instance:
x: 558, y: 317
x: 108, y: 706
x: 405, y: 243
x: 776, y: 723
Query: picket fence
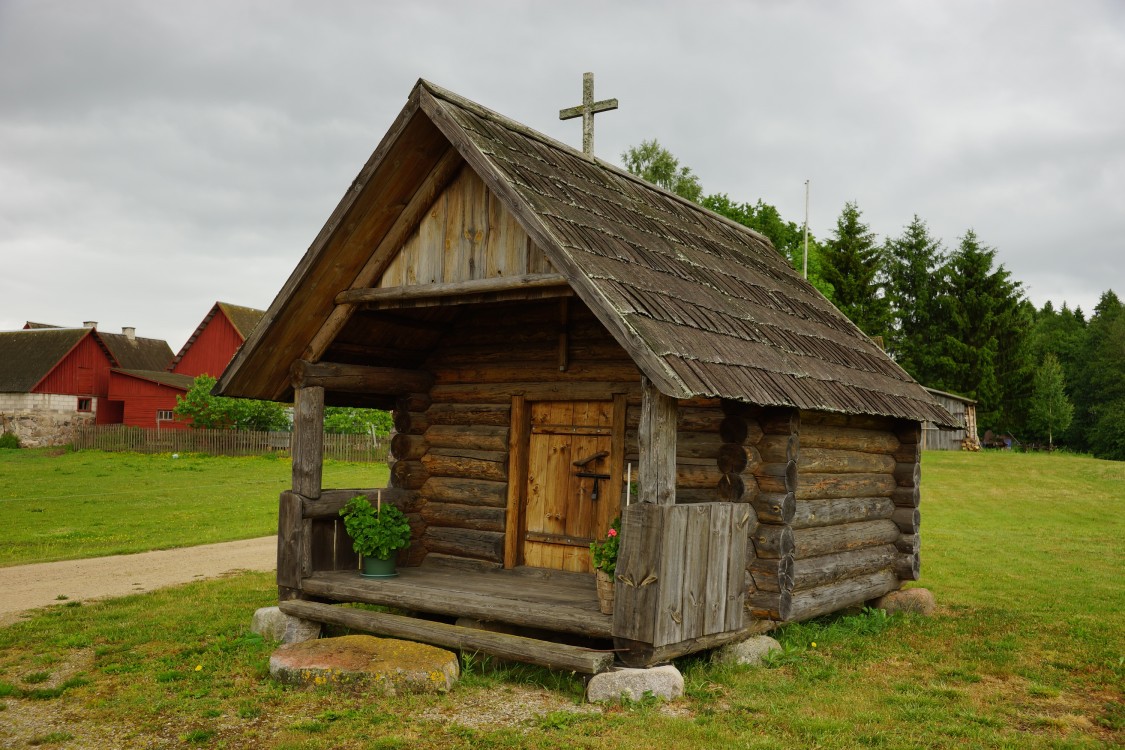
x: 116, y: 437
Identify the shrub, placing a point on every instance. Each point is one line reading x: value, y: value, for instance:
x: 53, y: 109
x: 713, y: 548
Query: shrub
x: 9, y: 440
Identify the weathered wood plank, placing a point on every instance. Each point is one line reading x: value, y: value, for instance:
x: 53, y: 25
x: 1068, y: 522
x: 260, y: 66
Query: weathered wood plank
x: 838, y: 510
x: 513, y: 647
x: 469, y: 414
x: 308, y: 441
x: 501, y: 393
x: 478, y: 437
x: 717, y: 567
x: 290, y: 525
x: 331, y: 501
x: 697, y: 541
x: 373, y: 297
x: 742, y: 522
x: 846, y: 593
x: 638, y: 572
x: 459, y: 516
x: 479, y: 545
x: 466, y: 491
x: 345, y: 378
x: 669, y: 626
x: 657, y: 441
x: 824, y: 540
x: 516, y: 489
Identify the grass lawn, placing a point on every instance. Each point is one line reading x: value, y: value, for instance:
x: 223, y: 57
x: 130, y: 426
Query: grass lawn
x: 60, y: 505
x: 1024, y: 554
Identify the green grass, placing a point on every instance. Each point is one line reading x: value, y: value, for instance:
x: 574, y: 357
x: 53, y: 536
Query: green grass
x: 58, y: 505
x: 1024, y: 554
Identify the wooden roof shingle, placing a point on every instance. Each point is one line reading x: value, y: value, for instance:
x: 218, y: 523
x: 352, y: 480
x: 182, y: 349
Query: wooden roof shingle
x: 704, y: 306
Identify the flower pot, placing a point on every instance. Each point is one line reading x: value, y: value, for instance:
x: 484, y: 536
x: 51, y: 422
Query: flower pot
x: 605, y: 592
x: 375, y: 567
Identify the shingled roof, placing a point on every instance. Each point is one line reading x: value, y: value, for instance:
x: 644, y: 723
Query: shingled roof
x: 136, y: 353
x: 27, y: 356
x: 705, y: 307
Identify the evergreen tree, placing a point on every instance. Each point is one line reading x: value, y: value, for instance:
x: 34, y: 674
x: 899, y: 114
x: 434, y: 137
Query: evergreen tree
x: 980, y: 304
x: 852, y: 264
x: 654, y: 163
x: 1051, y: 410
x: 1100, y: 401
x: 913, y: 260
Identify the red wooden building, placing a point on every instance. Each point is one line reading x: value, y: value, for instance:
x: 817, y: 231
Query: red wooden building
x: 148, y: 396
x: 53, y: 379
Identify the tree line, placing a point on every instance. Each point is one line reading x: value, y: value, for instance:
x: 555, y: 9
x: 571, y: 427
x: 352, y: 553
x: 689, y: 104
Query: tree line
x: 954, y: 319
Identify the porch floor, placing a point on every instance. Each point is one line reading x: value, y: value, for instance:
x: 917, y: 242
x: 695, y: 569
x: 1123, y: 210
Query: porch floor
x: 529, y: 597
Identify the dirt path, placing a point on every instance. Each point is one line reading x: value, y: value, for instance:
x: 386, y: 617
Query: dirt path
x: 25, y: 587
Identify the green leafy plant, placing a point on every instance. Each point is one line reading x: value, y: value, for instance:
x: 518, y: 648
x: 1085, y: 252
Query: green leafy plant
x: 9, y: 440
x: 604, y: 551
x: 375, y: 533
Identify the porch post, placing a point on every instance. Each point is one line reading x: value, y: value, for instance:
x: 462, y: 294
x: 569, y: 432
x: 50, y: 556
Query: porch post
x: 308, y: 440
x: 657, y: 442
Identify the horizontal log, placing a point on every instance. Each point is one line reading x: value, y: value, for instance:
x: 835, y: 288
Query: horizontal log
x: 838, y: 461
x: 406, y: 447
x: 502, y: 645
x: 733, y: 458
x: 824, y: 540
x: 908, y: 520
x: 413, y: 402
x: 775, y: 507
x: 331, y: 501
x: 501, y: 393
x: 838, y: 510
x: 908, y: 453
x: 846, y: 593
x: 333, y: 376
x: 697, y: 476
x: 636, y: 654
x: 820, y: 486
x: 779, y: 449
x: 411, y: 422
x: 731, y: 488
x: 408, y: 475
x: 859, y: 421
x: 739, y: 429
x: 467, y: 464
x: 820, y: 571
x: 777, y: 477
x: 771, y: 574
x: 907, y: 497
x: 772, y: 540
x: 908, y: 567
x: 847, y: 438
x: 469, y: 414
x: 770, y: 605
x: 781, y: 421
x: 688, y: 445
x: 458, y: 516
x: 908, y: 475
x: 688, y: 418
x: 475, y: 437
x: 479, y: 545
x: 908, y: 432
x: 910, y: 544
x: 371, y: 296
x: 493, y: 494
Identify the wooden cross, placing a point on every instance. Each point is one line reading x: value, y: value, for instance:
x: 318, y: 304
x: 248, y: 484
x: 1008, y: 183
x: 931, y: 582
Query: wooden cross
x: 586, y: 111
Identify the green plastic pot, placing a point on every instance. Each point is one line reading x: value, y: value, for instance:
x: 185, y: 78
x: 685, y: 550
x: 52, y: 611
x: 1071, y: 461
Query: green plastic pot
x: 375, y: 567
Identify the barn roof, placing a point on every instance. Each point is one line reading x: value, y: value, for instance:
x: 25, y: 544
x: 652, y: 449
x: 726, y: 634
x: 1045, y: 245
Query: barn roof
x: 27, y: 356
x: 163, y: 377
x: 136, y: 353
x: 705, y: 306
x: 244, y: 319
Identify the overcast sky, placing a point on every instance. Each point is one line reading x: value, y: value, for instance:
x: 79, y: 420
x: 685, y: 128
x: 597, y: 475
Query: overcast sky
x: 158, y: 156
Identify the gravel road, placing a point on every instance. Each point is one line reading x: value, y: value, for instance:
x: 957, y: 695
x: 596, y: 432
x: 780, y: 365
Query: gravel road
x: 25, y: 587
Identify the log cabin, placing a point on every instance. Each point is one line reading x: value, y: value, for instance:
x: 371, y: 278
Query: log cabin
x: 539, y: 320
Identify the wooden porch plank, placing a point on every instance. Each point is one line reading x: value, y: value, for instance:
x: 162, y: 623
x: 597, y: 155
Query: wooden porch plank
x: 514, y: 647
x: 492, y: 597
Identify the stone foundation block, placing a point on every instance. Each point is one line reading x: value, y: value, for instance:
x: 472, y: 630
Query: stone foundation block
x: 271, y: 622
x: 917, y: 601
x: 383, y: 665
x: 751, y: 651
x: 635, y: 684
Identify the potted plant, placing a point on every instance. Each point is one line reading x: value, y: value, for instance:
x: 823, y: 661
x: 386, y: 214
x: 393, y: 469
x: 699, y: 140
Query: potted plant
x: 376, y: 534
x: 603, y: 553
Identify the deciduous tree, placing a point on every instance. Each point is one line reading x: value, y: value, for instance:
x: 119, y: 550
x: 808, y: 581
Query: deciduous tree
x: 656, y: 164
x: 1050, y: 411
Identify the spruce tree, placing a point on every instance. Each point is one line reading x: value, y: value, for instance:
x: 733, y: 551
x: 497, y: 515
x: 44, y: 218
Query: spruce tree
x: 913, y: 260
x: 852, y: 263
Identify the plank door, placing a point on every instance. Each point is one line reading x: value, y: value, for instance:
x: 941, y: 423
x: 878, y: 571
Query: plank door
x: 561, y: 517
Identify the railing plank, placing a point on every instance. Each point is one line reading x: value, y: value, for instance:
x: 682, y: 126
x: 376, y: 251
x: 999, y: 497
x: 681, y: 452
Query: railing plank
x: 356, y: 448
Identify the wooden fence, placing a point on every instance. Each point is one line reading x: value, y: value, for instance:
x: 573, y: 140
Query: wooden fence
x: 115, y: 437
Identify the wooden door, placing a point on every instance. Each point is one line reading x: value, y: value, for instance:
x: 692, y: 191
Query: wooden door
x: 562, y: 515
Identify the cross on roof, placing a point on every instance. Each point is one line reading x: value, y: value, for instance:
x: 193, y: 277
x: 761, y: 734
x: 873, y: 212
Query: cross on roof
x: 586, y: 111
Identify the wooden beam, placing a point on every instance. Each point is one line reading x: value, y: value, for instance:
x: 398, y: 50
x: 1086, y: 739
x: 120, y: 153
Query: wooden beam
x: 385, y: 381
x: 371, y: 297
x: 518, y: 447
x: 308, y: 440
x: 439, y: 177
x: 657, y: 437
x: 513, y: 647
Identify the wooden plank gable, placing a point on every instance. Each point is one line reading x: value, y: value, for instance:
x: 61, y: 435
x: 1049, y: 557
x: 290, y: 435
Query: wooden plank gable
x: 465, y: 235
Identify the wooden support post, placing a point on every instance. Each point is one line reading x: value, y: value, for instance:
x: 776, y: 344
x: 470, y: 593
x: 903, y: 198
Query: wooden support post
x: 519, y: 431
x: 656, y: 436
x: 308, y: 440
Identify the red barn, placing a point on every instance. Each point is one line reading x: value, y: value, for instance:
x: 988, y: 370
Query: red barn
x: 53, y: 379
x: 148, y: 395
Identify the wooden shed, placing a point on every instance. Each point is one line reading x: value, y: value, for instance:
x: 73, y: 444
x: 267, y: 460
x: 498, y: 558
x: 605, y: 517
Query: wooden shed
x: 961, y: 436
x: 523, y: 307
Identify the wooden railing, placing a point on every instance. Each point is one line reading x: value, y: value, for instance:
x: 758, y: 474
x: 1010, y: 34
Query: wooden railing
x: 221, y: 442
x: 681, y: 572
